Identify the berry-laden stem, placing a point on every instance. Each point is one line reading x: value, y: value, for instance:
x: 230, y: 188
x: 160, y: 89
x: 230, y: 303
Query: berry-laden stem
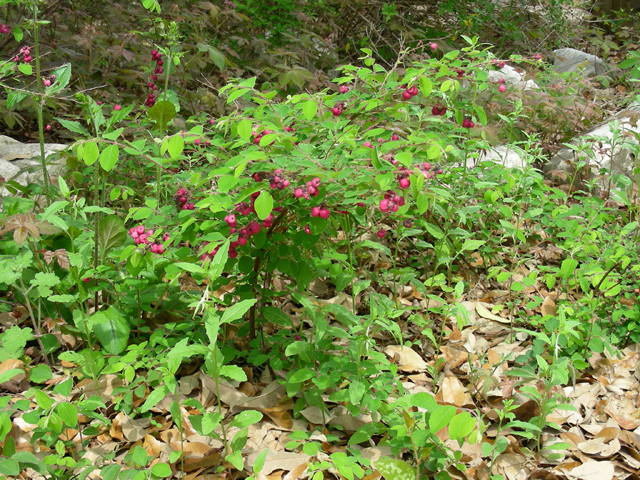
x: 39, y: 107
x: 256, y: 269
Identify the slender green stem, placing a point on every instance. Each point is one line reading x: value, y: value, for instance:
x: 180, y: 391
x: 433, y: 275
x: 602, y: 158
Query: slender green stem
x: 39, y: 105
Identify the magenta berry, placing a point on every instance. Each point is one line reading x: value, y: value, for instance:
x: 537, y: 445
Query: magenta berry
x: 502, y: 88
x: 307, y: 230
x: 86, y: 279
x: 367, y: 144
x: 315, y: 211
x: 324, y: 213
x: 48, y: 128
x: 395, y: 137
x: 117, y: 107
x: 406, y: 95
x: 336, y: 111
x: 433, y: 46
x: 407, y: 223
x: 404, y: 183
x: 381, y: 233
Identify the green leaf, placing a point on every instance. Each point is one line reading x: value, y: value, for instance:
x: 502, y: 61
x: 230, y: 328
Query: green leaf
x: 302, y: 375
x: 43, y: 400
x: 395, y: 469
x: 190, y: 267
x: 111, y: 234
x: 568, y: 267
x: 63, y: 75
x: 425, y: 86
x: 176, y: 146
x: 259, y: 462
x: 404, y: 158
x: 113, y: 334
x: 9, y: 374
x: 161, y: 470
x: 10, y: 467
x: 13, y: 98
x: 264, y: 204
x: 25, y: 68
x: 461, y: 425
x: 310, y: 108
x: 233, y: 372
x: 68, y: 413
x: 246, y: 418
x: 441, y: 417
x: 73, y: 126
x: 277, y: 316
x: 245, y: 128
x: 472, y: 245
x: 217, y: 57
x: 237, y: 93
x: 216, y: 266
x: 13, y: 341
x: 236, y: 311
x: 91, y: 153
x: 482, y: 117
x: 18, y: 34
x: 109, y: 157
x: 154, y: 397
x: 40, y: 373
x: 43, y: 282
x: 162, y: 113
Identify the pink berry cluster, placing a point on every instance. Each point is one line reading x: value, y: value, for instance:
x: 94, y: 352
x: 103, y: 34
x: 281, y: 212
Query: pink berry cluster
x: 182, y: 200
x: 276, y: 179
x: 460, y: 72
x: 48, y: 81
x: 391, y: 202
x: 26, y: 55
x: 251, y: 229
x: 151, y: 98
x: 3, y: 29
x: 403, y: 180
x: 499, y: 64
x: 311, y: 189
x: 145, y: 237
x: 428, y: 171
x: 322, y: 211
x: 290, y: 128
x: 438, y: 110
x: 344, y: 89
x: 336, y: 111
x: 410, y: 92
x: 468, y: 123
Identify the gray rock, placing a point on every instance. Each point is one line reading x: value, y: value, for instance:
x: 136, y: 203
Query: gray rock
x: 572, y: 60
x: 605, y: 151
x: 25, y: 158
